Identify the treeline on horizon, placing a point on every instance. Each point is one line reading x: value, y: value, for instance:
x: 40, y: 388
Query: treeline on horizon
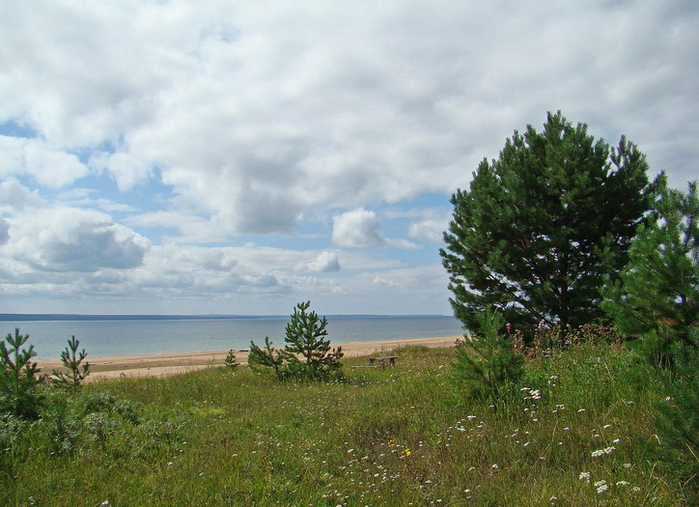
x: 36, y: 317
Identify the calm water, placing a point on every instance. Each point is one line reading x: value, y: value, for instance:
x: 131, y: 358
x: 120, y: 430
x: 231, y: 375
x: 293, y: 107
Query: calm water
x: 156, y: 336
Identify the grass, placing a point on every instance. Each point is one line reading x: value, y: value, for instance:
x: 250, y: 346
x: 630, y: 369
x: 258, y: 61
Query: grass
x: 576, y: 432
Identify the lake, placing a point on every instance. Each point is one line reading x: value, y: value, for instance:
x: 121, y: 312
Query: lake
x: 124, y: 336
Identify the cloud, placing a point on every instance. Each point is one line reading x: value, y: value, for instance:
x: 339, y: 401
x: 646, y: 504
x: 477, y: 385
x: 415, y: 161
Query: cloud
x: 326, y: 262
x: 73, y: 240
x: 49, y: 166
x: 4, y: 231
x: 16, y: 197
x: 357, y: 228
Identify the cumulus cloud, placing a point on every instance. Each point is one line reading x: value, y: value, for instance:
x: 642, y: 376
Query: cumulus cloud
x: 357, y: 228
x: 16, y: 197
x: 326, y: 262
x: 254, y: 112
x: 51, y: 167
x: 75, y: 240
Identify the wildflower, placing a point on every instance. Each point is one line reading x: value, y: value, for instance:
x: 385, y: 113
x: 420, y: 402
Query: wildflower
x: 553, y: 499
x: 585, y: 476
x: 602, y: 452
x: 601, y: 487
x: 407, y: 452
x: 495, y: 466
x: 581, y: 411
x: 467, y: 491
x: 622, y: 483
x: 105, y: 503
x: 616, y: 440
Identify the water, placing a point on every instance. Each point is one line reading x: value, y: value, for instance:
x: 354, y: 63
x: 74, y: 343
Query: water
x: 124, y: 337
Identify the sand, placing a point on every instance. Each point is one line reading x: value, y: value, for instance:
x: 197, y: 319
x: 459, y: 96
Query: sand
x: 170, y: 364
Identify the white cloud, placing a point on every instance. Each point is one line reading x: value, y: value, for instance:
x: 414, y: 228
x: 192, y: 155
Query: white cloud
x: 357, y: 228
x: 73, y: 240
x: 49, y: 166
x: 16, y: 197
x: 326, y: 262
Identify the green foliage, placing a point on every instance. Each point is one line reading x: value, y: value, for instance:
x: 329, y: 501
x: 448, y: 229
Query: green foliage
x: 542, y: 224
x: 261, y: 359
x: 231, y: 362
x: 307, y: 354
x: 657, y: 296
x: 77, y: 369
x: 486, y: 365
x: 19, y: 378
x: 677, y: 418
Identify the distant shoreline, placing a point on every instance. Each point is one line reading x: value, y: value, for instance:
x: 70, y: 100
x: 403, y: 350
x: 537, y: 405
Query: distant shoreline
x: 162, y: 365
x: 48, y: 317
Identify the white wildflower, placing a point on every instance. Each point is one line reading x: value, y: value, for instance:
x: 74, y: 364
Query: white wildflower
x: 585, y: 476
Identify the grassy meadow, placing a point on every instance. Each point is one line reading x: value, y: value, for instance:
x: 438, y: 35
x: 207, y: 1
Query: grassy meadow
x: 578, y: 431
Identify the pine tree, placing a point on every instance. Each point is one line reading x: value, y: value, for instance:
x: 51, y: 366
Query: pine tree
x: 19, y: 378
x: 657, y: 296
x: 541, y: 226
x: 309, y: 352
x: 486, y: 363
x: 73, y: 362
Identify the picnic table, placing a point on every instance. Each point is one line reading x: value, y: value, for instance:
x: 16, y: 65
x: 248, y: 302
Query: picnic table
x: 382, y: 360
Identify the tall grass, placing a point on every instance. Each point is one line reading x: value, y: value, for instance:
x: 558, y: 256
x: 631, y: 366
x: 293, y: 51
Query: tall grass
x: 576, y: 433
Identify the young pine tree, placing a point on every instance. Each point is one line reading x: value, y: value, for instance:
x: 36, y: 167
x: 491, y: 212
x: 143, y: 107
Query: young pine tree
x: 73, y: 362
x: 309, y: 353
x: 19, y: 378
x: 260, y: 359
x: 657, y: 296
x: 486, y: 363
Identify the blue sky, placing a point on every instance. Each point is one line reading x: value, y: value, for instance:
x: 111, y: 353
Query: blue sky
x: 239, y: 157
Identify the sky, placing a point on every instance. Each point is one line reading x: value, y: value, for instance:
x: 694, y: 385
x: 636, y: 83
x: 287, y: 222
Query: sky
x: 218, y: 157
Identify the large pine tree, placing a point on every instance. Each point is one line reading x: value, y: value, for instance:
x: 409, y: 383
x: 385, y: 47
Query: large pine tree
x: 542, y: 225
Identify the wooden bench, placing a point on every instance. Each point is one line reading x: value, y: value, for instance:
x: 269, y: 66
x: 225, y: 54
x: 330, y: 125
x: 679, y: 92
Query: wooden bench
x: 382, y: 360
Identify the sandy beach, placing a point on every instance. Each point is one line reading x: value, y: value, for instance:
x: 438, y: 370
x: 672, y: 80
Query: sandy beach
x: 171, y: 364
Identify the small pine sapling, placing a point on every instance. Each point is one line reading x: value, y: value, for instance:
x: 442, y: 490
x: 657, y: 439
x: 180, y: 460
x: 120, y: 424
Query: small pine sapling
x: 231, y: 362
x: 19, y: 378
x: 260, y: 359
x: 309, y: 353
x: 486, y: 363
x: 73, y: 362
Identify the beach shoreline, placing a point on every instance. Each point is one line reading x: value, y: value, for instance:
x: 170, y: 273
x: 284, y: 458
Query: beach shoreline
x: 161, y: 365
